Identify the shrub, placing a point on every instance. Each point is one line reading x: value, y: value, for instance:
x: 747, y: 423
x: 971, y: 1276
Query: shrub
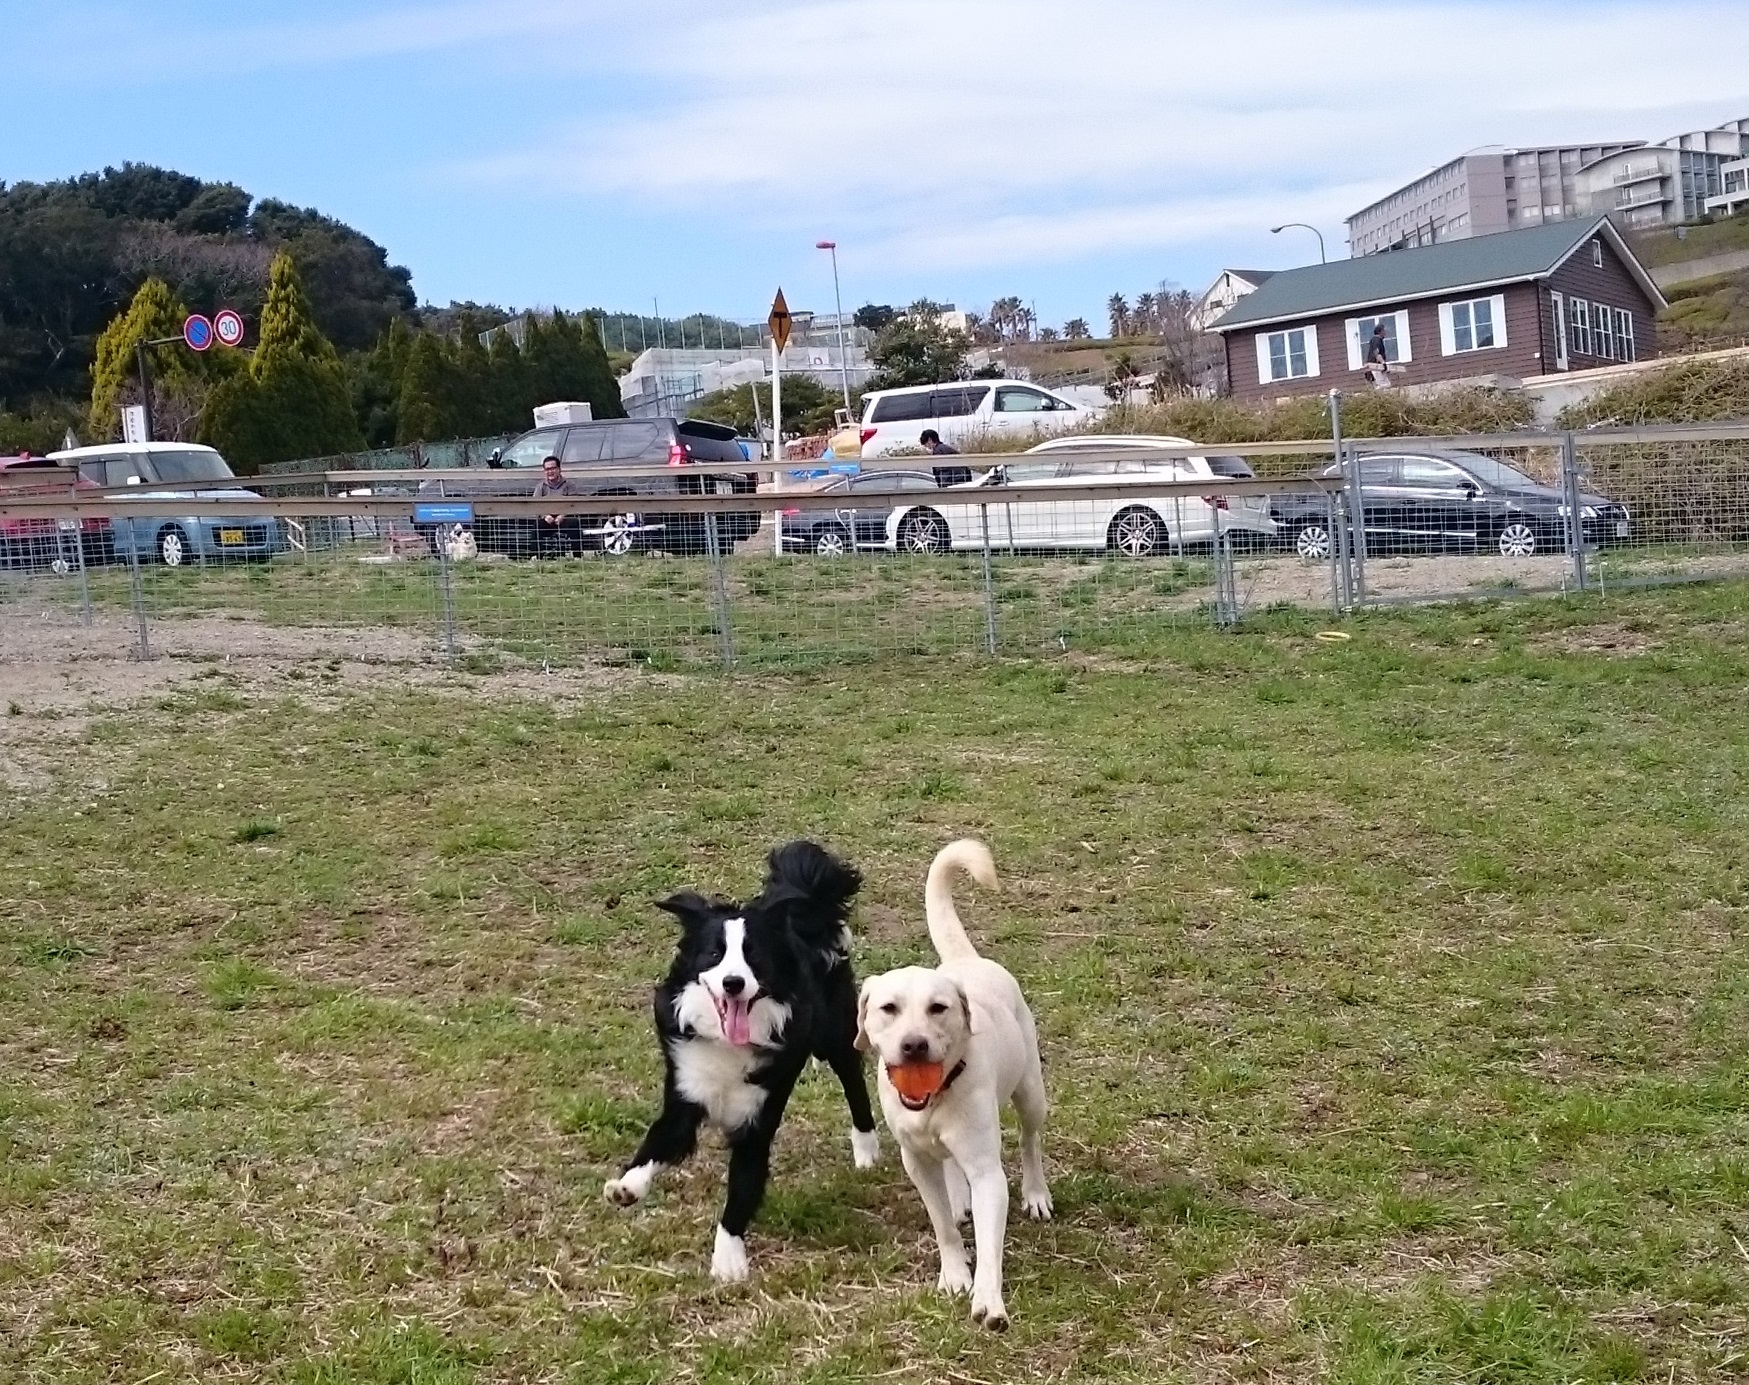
x: 1686, y: 392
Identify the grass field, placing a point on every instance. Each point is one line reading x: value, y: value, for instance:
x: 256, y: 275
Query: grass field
x: 1393, y: 996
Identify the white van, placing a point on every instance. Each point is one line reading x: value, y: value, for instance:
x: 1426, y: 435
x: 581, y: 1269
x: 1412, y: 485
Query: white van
x: 964, y: 409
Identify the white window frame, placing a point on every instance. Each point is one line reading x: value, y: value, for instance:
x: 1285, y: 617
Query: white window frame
x: 1558, y: 310
x: 1597, y: 253
x: 1266, y: 376
x: 1448, y: 327
x: 1624, y: 335
x: 1602, y: 337
x: 1357, y: 343
x: 1579, y: 314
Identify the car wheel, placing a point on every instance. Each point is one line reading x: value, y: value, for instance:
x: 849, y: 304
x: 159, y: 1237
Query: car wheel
x: 1136, y: 533
x: 1312, y: 541
x: 923, y: 531
x: 173, y: 547
x: 619, y: 534
x: 832, y: 541
x: 1517, y: 540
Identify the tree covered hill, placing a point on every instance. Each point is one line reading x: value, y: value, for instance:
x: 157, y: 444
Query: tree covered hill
x: 74, y: 252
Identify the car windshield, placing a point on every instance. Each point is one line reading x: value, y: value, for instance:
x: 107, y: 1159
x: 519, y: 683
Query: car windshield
x: 190, y: 466
x: 1495, y: 473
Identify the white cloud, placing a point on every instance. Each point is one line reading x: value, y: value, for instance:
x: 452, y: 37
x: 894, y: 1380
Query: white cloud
x: 970, y: 132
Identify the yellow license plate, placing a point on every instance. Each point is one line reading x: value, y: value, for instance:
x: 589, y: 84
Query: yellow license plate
x: 230, y: 536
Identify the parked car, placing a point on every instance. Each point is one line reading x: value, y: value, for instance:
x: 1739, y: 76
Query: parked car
x: 26, y: 543
x: 1130, y: 522
x: 1445, y: 500
x: 965, y: 410
x: 175, y: 471
x: 847, y: 526
x: 635, y: 520
x: 1245, y: 517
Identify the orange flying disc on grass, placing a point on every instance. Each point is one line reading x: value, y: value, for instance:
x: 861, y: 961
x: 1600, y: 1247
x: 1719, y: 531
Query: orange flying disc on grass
x: 916, y: 1081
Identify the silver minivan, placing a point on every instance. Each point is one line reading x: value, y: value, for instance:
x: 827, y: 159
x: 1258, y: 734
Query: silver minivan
x: 174, y: 471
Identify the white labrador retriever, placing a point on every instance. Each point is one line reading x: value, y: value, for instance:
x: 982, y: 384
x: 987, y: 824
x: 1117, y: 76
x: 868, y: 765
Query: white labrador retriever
x: 955, y: 1042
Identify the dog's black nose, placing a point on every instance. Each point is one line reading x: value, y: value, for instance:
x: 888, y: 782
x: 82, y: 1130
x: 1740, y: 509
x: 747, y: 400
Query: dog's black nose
x: 734, y: 985
x: 914, y: 1050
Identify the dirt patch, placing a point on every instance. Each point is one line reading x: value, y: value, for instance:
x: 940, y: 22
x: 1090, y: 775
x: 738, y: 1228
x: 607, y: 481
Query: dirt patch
x: 1607, y: 641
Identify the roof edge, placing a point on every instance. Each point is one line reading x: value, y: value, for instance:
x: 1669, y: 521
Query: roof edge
x: 1376, y: 302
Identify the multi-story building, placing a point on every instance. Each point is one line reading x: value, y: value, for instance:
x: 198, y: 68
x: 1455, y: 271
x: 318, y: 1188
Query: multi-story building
x: 1733, y: 196
x: 1664, y: 184
x: 1476, y: 194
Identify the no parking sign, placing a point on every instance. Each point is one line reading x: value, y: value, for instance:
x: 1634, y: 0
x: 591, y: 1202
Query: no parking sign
x: 197, y: 332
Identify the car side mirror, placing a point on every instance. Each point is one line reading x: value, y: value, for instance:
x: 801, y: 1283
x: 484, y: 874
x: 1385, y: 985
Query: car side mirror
x: 133, y: 480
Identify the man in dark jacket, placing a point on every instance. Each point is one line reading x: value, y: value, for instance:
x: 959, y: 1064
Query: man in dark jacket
x: 557, y: 533
x: 931, y: 442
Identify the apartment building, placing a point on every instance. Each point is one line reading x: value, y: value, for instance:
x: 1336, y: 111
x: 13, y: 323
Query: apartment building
x: 1488, y: 190
x: 1668, y: 183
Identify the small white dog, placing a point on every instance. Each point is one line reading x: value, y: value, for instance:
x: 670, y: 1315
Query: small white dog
x: 955, y: 1042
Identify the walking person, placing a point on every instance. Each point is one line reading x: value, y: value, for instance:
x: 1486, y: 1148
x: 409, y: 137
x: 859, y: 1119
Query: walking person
x: 930, y: 441
x: 1378, y: 358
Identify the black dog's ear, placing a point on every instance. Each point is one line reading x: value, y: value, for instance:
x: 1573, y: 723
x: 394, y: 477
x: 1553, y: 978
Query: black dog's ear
x: 692, y: 909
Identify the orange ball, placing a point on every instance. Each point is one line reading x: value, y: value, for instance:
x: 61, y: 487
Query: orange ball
x: 916, y: 1081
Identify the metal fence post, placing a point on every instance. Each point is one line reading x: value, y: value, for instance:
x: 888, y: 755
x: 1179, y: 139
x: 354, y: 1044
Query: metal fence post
x: 1575, y: 521
x: 989, y: 591
x: 720, y: 587
x: 139, y: 595
x: 449, y: 644
x: 1226, y: 609
x: 1348, y: 463
x: 1336, y: 603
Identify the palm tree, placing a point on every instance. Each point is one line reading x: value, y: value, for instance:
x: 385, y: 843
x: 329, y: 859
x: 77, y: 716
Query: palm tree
x: 1146, y: 307
x: 1047, y: 333
x: 1119, y: 309
x: 1076, y: 329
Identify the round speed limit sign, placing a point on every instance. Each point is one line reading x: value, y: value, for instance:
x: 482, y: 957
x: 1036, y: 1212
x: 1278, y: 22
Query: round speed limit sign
x: 228, y: 327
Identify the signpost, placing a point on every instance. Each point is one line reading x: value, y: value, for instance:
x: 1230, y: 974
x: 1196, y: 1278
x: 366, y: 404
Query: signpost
x: 228, y: 326
x: 779, y: 323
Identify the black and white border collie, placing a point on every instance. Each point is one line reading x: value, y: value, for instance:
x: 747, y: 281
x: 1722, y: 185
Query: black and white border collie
x: 756, y: 989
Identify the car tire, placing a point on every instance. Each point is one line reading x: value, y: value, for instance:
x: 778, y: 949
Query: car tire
x: 1517, y: 539
x: 1312, y: 541
x: 923, y: 531
x: 1136, y: 533
x: 173, y: 546
x: 832, y: 541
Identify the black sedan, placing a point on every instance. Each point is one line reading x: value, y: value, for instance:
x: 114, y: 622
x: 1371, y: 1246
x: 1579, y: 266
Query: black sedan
x: 839, y: 525
x: 1445, y: 500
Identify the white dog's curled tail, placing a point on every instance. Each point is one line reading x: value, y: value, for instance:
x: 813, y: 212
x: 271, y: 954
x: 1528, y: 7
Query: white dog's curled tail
x: 946, y: 931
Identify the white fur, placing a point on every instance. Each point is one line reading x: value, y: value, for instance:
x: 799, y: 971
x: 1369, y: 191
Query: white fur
x: 632, y: 1185
x: 728, y: 1258
x: 734, y: 961
x: 865, y: 1148
x: 715, y: 1075
x: 968, y: 1009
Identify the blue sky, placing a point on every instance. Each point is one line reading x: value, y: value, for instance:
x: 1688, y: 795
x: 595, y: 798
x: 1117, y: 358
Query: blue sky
x: 576, y: 153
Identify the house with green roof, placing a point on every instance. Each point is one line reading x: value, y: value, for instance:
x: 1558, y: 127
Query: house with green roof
x: 1492, y: 309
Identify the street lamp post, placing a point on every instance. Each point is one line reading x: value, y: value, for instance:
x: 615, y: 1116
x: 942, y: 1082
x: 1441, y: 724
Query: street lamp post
x: 838, y: 302
x: 1277, y: 230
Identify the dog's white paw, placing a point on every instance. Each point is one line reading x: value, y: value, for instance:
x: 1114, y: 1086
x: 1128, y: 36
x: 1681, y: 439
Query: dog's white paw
x: 955, y: 1279
x: 990, y: 1312
x: 865, y: 1148
x: 729, y: 1259
x: 630, y: 1186
x: 1037, y: 1202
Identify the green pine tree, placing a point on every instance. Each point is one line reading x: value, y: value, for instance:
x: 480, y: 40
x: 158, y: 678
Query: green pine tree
x: 153, y: 315
x: 295, y: 400
x: 512, y: 392
x: 427, y: 411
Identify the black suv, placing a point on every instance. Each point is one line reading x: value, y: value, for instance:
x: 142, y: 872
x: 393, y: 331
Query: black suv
x: 678, y: 446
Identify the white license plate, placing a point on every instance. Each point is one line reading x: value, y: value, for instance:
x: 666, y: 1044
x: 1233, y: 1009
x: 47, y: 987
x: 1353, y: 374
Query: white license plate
x: 1621, y: 528
x: 67, y: 526
x: 230, y: 536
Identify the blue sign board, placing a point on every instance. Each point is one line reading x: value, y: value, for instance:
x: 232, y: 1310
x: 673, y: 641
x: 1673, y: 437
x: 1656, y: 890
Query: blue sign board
x: 451, y: 512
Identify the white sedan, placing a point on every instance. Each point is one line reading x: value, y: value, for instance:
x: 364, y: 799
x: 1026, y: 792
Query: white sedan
x: 1131, y: 523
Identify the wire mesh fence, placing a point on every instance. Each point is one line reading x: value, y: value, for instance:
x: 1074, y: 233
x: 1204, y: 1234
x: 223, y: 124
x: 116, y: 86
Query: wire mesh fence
x: 1089, y: 547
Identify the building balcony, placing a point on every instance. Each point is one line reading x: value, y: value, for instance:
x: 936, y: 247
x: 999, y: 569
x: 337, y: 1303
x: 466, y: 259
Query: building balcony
x: 1638, y: 175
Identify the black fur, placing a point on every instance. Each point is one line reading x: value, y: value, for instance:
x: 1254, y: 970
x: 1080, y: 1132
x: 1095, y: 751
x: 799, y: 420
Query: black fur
x: 794, y: 950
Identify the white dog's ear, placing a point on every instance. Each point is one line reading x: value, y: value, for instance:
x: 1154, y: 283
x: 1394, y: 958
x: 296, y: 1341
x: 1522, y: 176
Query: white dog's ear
x: 966, y: 1008
x: 862, y: 1044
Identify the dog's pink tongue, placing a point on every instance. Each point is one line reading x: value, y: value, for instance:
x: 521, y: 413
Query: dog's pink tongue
x: 737, y: 1020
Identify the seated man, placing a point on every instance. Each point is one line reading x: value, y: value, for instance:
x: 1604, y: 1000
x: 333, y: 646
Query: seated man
x: 557, y: 533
